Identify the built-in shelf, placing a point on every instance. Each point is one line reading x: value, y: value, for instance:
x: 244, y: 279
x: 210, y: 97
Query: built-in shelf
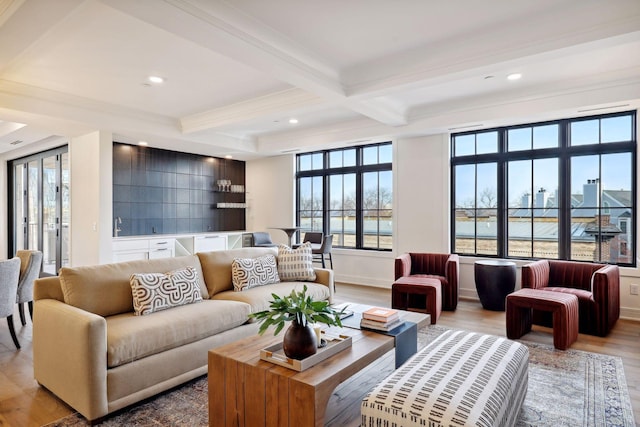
x: 225, y: 205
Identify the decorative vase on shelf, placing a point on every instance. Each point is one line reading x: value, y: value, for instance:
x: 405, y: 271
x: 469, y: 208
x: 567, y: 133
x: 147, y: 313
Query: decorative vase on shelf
x: 299, y: 341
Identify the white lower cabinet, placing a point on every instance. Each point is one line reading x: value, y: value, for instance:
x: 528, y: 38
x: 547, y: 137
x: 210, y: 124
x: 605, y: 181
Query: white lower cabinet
x: 130, y: 256
x: 209, y: 243
x: 162, y: 248
x: 140, y: 248
x: 130, y: 250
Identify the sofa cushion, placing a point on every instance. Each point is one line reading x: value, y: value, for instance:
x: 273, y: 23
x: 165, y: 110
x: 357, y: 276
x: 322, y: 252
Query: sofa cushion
x: 296, y: 264
x: 216, y: 266
x: 157, y: 291
x: 105, y: 289
x: 260, y: 297
x: 131, y: 337
x: 247, y: 273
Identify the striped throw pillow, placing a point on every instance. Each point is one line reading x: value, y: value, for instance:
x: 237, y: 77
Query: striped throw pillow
x: 296, y: 264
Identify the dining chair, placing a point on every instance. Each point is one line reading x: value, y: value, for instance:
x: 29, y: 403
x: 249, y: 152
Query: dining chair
x: 9, y: 276
x: 30, y: 266
x: 313, y: 237
x: 263, y: 239
x: 324, y: 249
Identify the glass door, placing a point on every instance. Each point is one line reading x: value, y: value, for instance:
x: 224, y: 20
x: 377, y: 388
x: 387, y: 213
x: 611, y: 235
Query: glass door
x: 50, y: 214
x: 40, y: 207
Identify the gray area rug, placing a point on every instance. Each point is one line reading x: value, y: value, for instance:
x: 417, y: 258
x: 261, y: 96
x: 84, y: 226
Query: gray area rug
x: 566, y: 388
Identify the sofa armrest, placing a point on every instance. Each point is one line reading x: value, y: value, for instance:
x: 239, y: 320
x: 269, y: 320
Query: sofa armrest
x: 70, y: 355
x: 48, y: 288
x: 535, y: 275
x: 452, y: 269
x: 324, y: 276
x: 605, y: 286
x: 402, y: 266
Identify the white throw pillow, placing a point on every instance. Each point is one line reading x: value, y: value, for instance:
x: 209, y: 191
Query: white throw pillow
x: 296, y: 264
x: 159, y: 291
x: 247, y: 273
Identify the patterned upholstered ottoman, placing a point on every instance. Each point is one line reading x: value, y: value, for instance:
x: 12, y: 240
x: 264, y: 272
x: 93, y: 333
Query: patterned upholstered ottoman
x: 461, y: 378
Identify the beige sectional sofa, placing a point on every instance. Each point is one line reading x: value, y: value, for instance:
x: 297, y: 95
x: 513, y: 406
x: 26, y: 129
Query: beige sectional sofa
x: 91, y: 351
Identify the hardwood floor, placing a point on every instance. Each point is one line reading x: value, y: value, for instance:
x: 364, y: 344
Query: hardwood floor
x: 24, y: 404
x: 623, y: 341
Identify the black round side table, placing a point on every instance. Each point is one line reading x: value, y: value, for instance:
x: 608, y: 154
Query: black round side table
x: 495, y: 280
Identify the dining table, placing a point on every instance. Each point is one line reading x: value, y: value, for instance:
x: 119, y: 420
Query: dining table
x: 290, y: 231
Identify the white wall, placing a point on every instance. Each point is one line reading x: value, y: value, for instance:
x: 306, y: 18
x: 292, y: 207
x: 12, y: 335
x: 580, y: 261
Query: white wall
x: 421, y: 194
x: 90, y: 161
x: 270, y: 186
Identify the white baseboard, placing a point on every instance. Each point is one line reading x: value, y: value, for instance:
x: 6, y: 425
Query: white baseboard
x: 358, y: 280
x: 629, y: 313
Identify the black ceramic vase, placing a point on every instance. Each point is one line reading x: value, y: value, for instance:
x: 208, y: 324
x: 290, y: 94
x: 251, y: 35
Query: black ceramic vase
x: 299, y: 341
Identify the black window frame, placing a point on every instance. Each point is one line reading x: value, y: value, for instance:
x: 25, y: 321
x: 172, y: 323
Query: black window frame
x: 564, y: 153
x: 326, y: 172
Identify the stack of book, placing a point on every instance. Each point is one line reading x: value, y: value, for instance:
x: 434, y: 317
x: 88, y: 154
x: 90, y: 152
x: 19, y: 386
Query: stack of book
x: 381, y: 319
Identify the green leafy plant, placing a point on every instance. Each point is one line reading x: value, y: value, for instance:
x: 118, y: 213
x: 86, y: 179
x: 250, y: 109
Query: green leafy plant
x: 299, y: 307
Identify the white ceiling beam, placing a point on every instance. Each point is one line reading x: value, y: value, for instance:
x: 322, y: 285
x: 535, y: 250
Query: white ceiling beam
x: 74, y: 109
x: 466, y: 53
x: 219, y: 34
x: 273, y: 104
x: 23, y: 22
x: 544, y: 102
x: 225, y: 31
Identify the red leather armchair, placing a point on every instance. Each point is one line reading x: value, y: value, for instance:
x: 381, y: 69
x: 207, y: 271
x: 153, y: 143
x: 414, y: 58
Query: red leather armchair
x: 444, y: 267
x: 597, y: 287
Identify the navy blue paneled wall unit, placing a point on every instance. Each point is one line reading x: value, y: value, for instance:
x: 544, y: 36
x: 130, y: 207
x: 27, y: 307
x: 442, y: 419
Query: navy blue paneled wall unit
x: 166, y: 192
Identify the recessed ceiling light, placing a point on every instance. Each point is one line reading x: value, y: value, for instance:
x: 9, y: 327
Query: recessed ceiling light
x: 156, y: 79
x: 514, y: 76
x: 143, y: 143
x: 293, y: 121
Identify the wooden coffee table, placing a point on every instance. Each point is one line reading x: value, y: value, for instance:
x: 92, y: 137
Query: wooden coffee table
x: 247, y: 391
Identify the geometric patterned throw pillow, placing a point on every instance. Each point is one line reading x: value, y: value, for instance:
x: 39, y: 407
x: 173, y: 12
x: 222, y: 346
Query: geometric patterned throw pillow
x: 247, y: 273
x: 296, y: 264
x: 157, y: 291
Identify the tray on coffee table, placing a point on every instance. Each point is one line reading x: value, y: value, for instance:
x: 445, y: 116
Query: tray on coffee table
x: 334, y: 344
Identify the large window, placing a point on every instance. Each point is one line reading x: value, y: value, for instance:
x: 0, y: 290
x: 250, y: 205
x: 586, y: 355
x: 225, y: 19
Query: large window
x: 557, y: 190
x: 347, y: 193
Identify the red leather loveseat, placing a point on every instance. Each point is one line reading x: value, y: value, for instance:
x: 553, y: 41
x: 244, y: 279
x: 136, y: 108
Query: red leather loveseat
x: 597, y: 287
x: 444, y: 267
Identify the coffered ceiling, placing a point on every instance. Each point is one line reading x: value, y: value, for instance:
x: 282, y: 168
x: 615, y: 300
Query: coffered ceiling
x: 235, y: 72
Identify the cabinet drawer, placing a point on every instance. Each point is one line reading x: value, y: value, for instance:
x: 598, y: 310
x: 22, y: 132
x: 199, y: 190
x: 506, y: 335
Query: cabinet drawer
x: 161, y: 243
x: 130, y: 245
